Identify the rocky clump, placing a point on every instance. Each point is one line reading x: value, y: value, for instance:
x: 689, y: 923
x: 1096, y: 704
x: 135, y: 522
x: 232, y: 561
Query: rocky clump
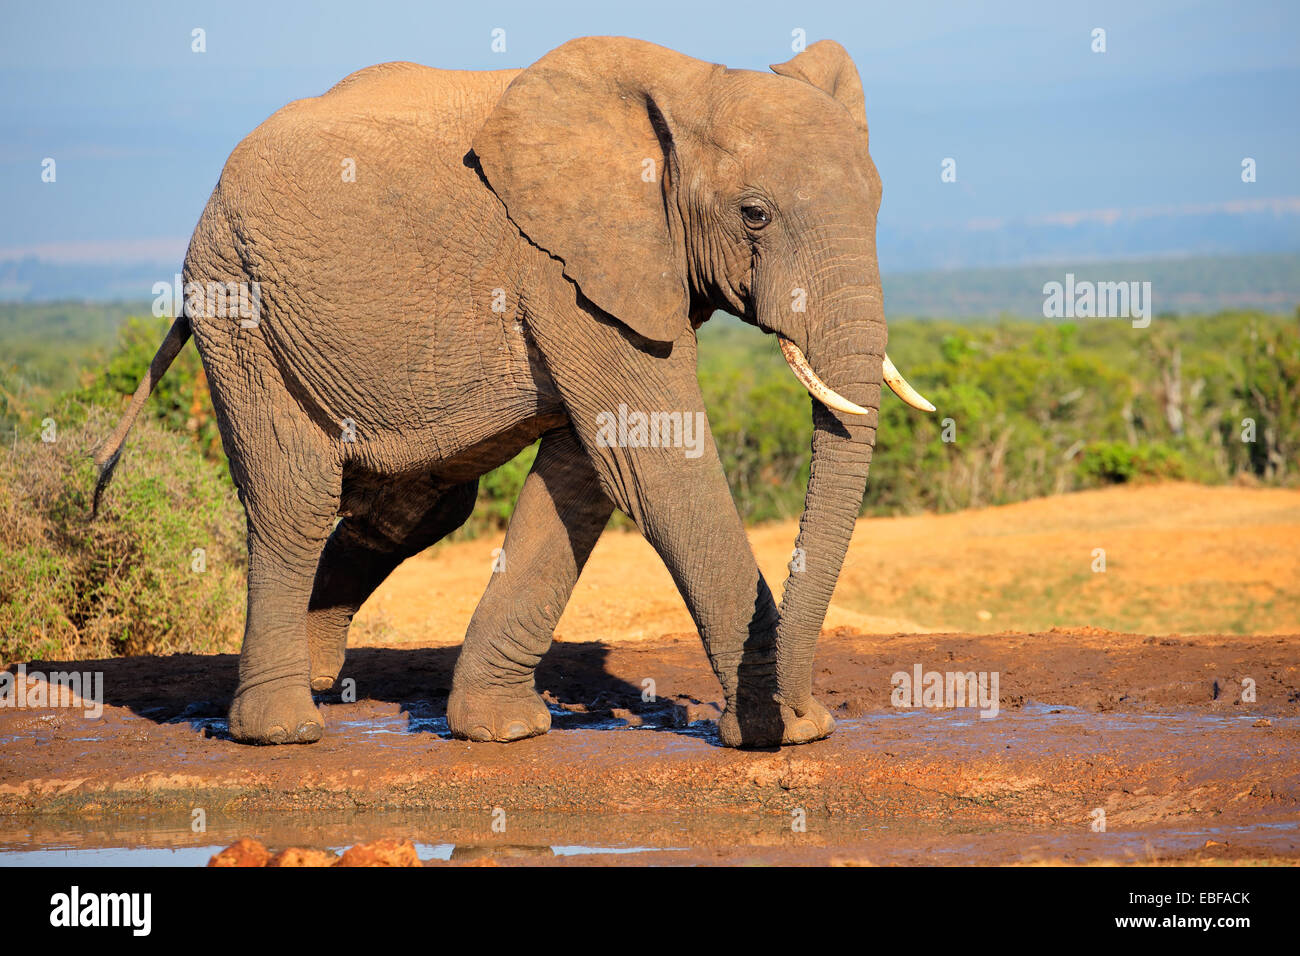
x: 243, y: 852
x: 249, y: 852
x: 381, y: 853
x: 297, y: 856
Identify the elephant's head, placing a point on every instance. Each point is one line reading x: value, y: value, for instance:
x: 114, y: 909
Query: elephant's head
x: 670, y: 187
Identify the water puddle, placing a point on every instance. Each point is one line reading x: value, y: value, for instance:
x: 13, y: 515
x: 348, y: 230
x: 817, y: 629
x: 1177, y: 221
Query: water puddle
x: 533, y: 838
x: 418, y: 717
x: 110, y: 856
x: 1062, y: 715
x: 146, y: 839
x: 200, y: 855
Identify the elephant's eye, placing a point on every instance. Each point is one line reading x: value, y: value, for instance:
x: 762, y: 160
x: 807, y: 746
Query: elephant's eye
x: 756, y: 217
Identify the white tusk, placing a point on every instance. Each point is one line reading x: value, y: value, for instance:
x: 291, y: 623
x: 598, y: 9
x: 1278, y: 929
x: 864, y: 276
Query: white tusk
x: 816, y: 387
x: 904, y: 391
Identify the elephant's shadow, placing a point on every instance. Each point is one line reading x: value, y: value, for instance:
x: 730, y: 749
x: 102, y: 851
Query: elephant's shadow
x: 574, y: 678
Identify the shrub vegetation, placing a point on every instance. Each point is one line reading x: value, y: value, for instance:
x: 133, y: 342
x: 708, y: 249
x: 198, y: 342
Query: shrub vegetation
x: 1026, y: 408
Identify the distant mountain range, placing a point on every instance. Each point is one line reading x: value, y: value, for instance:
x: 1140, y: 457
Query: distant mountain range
x: 1193, y: 284
x: 1233, y: 228
x: 1270, y: 282
x: 33, y: 280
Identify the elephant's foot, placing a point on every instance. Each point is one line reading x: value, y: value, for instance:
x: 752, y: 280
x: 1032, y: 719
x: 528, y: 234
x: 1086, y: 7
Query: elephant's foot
x: 768, y: 723
x: 327, y: 645
x: 276, y: 712
x: 498, y: 714
x: 804, y: 724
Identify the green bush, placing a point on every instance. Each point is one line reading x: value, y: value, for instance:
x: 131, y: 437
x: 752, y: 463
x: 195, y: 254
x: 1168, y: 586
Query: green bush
x: 180, y: 401
x: 1041, y: 408
x: 1116, y: 463
x: 497, y: 492
x: 125, y: 583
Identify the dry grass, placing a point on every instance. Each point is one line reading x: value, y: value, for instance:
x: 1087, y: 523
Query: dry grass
x: 126, y: 583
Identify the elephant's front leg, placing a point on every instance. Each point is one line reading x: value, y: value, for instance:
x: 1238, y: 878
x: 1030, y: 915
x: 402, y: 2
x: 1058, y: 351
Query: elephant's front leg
x: 559, y: 516
x: 640, y: 415
x: 679, y: 498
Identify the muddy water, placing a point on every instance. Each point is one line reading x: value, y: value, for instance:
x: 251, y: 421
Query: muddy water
x: 1151, y: 739
x: 803, y: 833
x: 531, y: 838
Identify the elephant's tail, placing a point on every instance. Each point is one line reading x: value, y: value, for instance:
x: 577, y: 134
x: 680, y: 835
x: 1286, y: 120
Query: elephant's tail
x: 106, y: 455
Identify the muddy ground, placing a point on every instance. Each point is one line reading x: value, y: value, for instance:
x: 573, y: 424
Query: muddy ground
x: 1151, y: 731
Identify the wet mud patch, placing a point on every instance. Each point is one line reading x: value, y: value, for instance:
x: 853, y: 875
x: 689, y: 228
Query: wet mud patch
x: 1155, y: 734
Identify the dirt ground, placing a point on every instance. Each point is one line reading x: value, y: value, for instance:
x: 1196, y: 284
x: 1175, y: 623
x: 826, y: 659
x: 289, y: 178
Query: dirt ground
x: 1180, y: 558
x: 1106, y: 747
x: 1153, y: 732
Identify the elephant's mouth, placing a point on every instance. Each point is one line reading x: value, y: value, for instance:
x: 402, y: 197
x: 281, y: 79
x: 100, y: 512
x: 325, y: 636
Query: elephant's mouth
x: 832, y: 399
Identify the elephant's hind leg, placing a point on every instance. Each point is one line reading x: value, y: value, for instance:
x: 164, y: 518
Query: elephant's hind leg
x: 398, y: 522
x: 559, y: 516
x: 290, y: 485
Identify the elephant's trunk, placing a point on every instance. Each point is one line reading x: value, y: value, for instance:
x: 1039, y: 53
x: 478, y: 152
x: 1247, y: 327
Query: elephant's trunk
x: 847, y: 353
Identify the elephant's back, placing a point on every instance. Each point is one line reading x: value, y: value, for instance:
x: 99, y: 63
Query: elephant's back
x: 446, y: 104
x: 402, y: 119
x: 405, y: 84
x: 376, y: 246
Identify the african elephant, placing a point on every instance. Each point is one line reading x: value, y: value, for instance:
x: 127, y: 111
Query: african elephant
x: 450, y: 265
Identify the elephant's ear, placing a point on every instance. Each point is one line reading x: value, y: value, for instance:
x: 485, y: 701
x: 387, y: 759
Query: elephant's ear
x: 582, y: 150
x: 828, y: 66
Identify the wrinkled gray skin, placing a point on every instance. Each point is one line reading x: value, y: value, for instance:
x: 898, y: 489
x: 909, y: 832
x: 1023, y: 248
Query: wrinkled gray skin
x: 609, y: 198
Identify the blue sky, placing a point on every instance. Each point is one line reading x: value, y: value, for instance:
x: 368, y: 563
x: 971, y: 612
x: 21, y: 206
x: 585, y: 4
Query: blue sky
x: 1040, y: 125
